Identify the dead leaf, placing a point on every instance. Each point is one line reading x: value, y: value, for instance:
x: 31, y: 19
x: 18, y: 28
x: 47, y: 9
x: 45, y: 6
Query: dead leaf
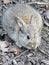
x: 17, y: 51
x: 6, y: 1
x: 3, y: 46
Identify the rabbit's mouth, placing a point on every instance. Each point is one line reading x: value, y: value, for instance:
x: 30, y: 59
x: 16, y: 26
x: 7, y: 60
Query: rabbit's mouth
x: 31, y: 44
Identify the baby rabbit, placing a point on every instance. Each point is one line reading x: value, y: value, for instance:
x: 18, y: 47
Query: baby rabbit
x: 23, y: 24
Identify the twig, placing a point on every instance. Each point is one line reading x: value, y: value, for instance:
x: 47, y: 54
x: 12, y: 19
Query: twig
x: 42, y: 4
x: 22, y: 53
x: 8, y: 51
x: 38, y: 3
x: 44, y: 39
x: 42, y: 51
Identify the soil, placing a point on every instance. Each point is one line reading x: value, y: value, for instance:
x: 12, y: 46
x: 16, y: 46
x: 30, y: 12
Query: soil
x: 8, y: 50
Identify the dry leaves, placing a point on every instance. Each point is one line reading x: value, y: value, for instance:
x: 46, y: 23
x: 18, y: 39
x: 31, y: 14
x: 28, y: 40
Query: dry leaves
x: 3, y: 46
x: 17, y: 51
x: 6, y: 1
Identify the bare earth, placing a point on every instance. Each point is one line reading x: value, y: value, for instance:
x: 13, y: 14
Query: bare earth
x: 8, y: 50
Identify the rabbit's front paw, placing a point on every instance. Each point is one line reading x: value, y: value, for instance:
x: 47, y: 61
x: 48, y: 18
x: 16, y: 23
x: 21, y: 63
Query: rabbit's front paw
x: 18, y: 44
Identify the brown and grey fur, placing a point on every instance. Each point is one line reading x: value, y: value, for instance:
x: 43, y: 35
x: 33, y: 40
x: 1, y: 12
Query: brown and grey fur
x: 26, y: 18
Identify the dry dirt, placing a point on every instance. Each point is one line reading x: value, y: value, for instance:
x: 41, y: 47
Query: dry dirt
x: 40, y: 56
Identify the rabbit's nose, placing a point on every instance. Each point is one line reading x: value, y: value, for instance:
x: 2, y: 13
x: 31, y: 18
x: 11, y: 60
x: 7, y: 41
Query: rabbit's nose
x: 28, y: 37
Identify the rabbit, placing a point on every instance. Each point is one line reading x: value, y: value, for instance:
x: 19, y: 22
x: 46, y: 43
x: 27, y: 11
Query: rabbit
x: 23, y: 24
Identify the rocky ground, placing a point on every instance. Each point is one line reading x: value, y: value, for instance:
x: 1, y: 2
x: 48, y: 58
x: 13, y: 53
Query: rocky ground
x: 9, y: 53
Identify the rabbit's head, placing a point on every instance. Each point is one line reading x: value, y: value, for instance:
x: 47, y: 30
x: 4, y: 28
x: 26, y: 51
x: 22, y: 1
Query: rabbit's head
x: 30, y: 34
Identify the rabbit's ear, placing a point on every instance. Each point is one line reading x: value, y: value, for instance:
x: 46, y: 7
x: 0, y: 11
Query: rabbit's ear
x: 19, y: 21
x: 21, y: 24
x: 31, y: 18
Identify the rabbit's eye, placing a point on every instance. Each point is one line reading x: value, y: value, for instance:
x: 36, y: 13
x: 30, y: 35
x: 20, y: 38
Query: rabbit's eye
x: 28, y: 37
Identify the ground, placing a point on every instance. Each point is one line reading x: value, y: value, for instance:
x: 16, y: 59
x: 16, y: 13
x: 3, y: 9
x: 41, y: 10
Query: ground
x: 10, y: 54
